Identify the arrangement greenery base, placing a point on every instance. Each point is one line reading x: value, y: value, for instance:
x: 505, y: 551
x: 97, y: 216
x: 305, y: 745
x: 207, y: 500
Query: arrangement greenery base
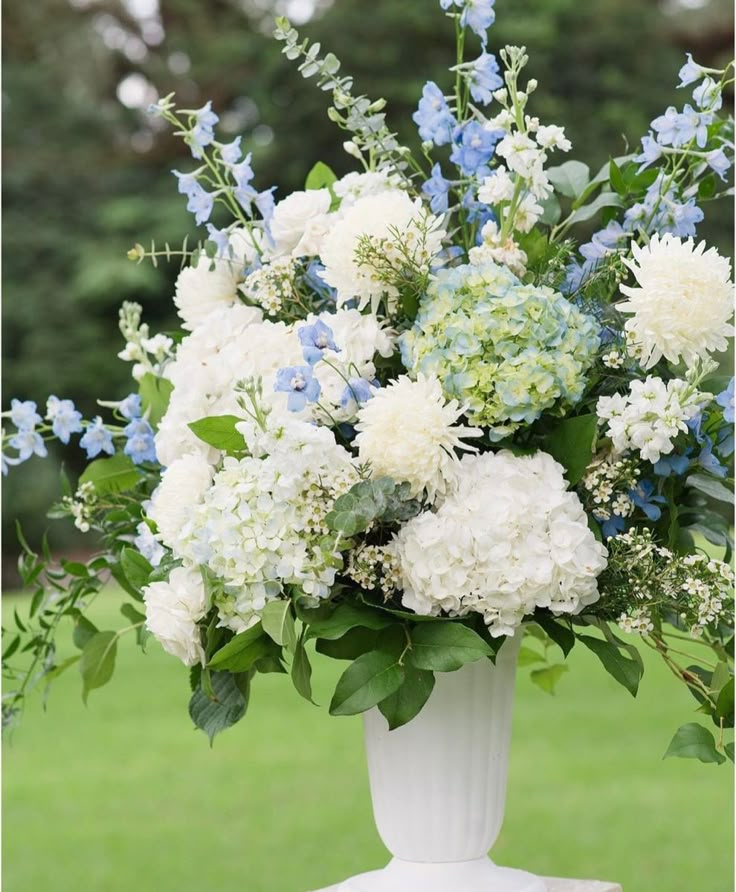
x: 438, y: 785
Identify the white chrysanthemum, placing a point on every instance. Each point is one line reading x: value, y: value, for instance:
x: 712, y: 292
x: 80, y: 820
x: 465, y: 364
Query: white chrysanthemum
x: 182, y: 486
x: 173, y: 609
x: 300, y: 222
x: 388, y: 219
x: 684, y: 303
x: 208, y: 286
x: 408, y: 432
x: 507, y: 539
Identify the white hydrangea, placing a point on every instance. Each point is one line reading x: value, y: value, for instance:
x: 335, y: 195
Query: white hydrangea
x: 408, y: 432
x: 260, y: 525
x: 508, y: 538
x: 354, y: 186
x: 182, y: 485
x: 173, y: 609
x: 683, y: 306
x: 650, y: 416
x: 229, y: 346
x: 300, y: 222
x: 383, y: 219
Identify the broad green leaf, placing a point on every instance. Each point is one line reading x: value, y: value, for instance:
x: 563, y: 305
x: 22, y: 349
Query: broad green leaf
x: 729, y: 750
x: 604, y: 200
x: 55, y: 671
x: 215, y: 714
x: 548, y: 677
x: 155, y: 394
x: 724, y: 704
x: 366, y: 682
x: 301, y: 671
x: 137, y: 619
x: 114, y: 474
x: 242, y: 651
x: 571, y: 443
x: 98, y: 661
x: 552, y: 210
x: 570, y: 178
x: 616, y: 178
x: 83, y: 631
x: 350, y: 646
x: 693, y: 741
x: 527, y: 657
x: 713, y: 488
x: 136, y: 568
x: 444, y: 647
x: 321, y: 176
x: 219, y: 431
x: 407, y: 701
x: 345, y: 617
x: 562, y: 636
x: 625, y: 670
x: 278, y: 623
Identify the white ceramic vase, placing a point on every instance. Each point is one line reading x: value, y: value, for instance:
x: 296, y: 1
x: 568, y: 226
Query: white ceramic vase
x: 438, y: 786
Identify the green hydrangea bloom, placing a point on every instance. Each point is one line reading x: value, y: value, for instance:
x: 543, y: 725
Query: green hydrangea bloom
x: 506, y: 350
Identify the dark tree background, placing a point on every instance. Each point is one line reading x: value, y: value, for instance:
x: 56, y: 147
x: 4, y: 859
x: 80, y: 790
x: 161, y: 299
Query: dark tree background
x: 87, y: 172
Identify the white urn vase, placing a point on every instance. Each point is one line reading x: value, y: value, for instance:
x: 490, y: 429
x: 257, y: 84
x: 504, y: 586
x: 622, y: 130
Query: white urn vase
x: 438, y: 786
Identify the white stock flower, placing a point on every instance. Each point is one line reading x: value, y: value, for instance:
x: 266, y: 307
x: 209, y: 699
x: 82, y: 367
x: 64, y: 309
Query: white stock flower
x: 210, y: 285
x: 522, y: 154
x: 683, y: 306
x: 173, y: 609
x: 300, y: 222
x: 354, y: 186
x: 385, y: 219
x: 497, y: 188
x: 507, y: 539
x: 408, y: 432
x: 553, y: 137
x: 182, y: 486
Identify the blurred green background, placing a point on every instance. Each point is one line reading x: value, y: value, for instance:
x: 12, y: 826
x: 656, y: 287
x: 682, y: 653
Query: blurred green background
x: 87, y: 171
x: 124, y: 795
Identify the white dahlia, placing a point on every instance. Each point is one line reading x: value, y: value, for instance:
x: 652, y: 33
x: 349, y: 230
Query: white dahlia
x: 172, y: 611
x: 396, y: 227
x: 684, y: 303
x: 182, y: 486
x: 507, y: 539
x: 408, y: 432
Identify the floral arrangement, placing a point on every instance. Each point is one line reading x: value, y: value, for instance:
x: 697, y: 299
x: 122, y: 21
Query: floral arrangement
x: 410, y: 414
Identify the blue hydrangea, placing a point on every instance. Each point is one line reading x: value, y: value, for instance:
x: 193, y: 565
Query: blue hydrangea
x: 96, y: 439
x: 437, y: 188
x: 140, y: 445
x: 301, y: 385
x: 433, y: 117
x: 484, y: 77
x: 65, y: 419
x: 506, y: 350
x: 315, y: 340
x: 23, y: 414
x: 473, y: 147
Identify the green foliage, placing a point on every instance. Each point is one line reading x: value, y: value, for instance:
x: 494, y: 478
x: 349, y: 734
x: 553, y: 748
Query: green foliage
x: 366, y: 682
x: 547, y: 677
x: 321, y: 176
x: 343, y: 618
x: 224, y: 704
x: 444, y: 647
x: 98, y: 661
x: 368, y: 501
x: 278, y: 623
x: 693, y: 741
x: 219, y: 431
x: 625, y: 670
x: 114, y: 474
x: 242, y: 652
x: 572, y: 443
x: 155, y: 394
x: 301, y: 671
x: 136, y: 568
x: 408, y: 699
x: 570, y: 178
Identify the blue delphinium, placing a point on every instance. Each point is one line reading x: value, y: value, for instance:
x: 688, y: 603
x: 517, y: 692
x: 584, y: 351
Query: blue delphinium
x: 315, y: 340
x: 643, y: 496
x: 28, y: 442
x: 478, y: 15
x: 301, y: 385
x: 673, y: 465
x: 202, y: 134
x: 437, y: 188
x: 690, y: 72
x: 221, y: 238
x: 709, y: 461
x: 231, y: 152
x: 473, y: 147
x: 23, y: 414
x: 65, y: 419
x: 433, y: 117
x: 725, y: 400
x: 243, y: 175
x: 357, y: 390
x: 96, y: 439
x: 131, y: 406
x: 139, y: 446
x: 484, y: 77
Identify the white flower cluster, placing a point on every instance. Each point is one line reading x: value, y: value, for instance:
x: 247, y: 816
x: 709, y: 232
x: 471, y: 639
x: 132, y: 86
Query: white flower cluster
x: 494, y: 248
x: 374, y: 567
x: 507, y: 539
x: 409, y: 432
x: 683, y: 306
x: 650, y: 416
x: 149, y: 354
x: 82, y: 506
x: 608, y: 480
x: 271, y: 286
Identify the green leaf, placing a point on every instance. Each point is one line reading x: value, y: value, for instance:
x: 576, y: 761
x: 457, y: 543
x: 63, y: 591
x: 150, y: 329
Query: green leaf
x: 352, y: 645
x: 527, y: 656
x: 444, y: 647
x: 345, y: 617
x: 321, y: 176
x: 570, y: 178
x: 278, y: 623
x: 708, y: 187
x: 83, y: 631
x: 725, y: 704
x: 242, y: 651
x: 552, y: 210
x: 155, y: 394
x: 711, y: 487
x: 548, y: 677
x: 406, y: 702
x: 729, y: 750
x: 98, y: 661
x: 363, y: 503
x: 136, y: 619
x: 693, y: 741
x: 301, y: 671
x: 572, y: 443
x: 219, y: 431
x: 215, y: 714
x: 562, y: 636
x: 366, y: 682
x: 114, y: 474
x: 136, y: 568
x: 616, y: 178
x: 604, y: 200
x: 55, y: 671
x: 625, y: 670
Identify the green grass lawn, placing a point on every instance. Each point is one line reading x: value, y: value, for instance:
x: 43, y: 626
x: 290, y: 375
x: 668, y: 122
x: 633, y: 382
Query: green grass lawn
x: 123, y: 795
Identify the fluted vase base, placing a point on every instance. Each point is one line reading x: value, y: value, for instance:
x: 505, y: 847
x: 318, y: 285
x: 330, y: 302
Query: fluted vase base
x: 479, y: 875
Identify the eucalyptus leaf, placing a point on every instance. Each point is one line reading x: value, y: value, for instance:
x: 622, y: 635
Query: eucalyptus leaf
x: 713, y: 488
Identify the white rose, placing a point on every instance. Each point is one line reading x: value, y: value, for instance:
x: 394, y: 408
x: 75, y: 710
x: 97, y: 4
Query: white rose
x: 173, y: 609
x: 300, y: 222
